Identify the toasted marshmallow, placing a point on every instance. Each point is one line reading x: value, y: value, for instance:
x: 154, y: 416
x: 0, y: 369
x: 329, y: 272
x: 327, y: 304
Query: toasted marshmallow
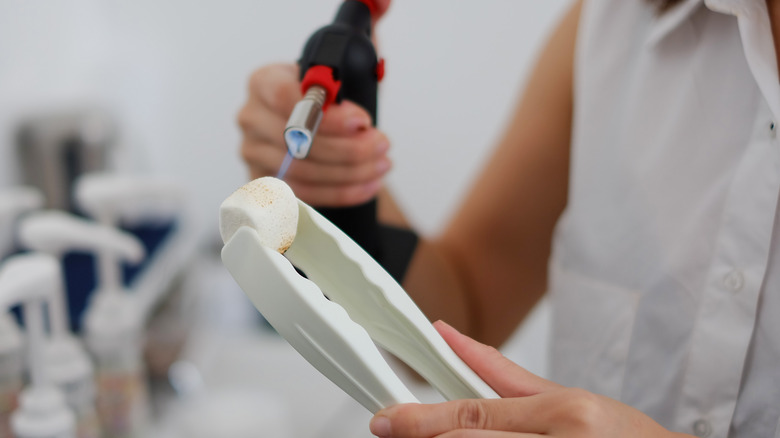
x: 267, y: 205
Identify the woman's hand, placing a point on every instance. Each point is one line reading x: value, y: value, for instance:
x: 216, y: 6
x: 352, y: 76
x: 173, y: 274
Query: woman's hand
x: 348, y: 157
x: 530, y: 407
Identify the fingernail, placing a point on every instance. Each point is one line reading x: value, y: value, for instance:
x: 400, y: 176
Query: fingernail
x: 443, y: 324
x: 380, y: 426
x: 372, y: 187
x: 356, y: 124
x: 382, y: 147
x: 383, y: 166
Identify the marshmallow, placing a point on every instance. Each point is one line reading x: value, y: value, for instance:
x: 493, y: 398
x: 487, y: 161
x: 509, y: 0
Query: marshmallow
x: 267, y: 205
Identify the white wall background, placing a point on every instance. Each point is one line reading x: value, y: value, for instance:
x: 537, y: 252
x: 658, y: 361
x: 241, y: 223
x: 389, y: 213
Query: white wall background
x: 174, y: 73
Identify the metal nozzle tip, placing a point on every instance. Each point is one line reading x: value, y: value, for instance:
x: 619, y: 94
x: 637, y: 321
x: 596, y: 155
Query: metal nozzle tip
x: 298, y: 141
x: 304, y: 121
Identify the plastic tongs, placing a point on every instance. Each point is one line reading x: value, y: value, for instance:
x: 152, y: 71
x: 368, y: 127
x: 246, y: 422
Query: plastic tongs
x: 363, y: 303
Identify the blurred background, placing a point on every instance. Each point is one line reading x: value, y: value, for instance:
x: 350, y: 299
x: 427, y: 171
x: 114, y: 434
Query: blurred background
x: 144, y: 95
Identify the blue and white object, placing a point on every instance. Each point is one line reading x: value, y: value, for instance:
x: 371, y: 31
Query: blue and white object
x: 68, y: 365
x: 113, y: 321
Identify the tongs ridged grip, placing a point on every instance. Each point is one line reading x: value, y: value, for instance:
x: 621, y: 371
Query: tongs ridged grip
x: 374, y: 300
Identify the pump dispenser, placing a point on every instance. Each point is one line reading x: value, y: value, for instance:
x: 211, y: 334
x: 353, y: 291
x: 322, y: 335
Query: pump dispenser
x: 109, y: 197
x: 156, y: 207
x: 112, y: 322
x: 14, y: 203
x: 121, y: 200
x: 68, y: 365
x: 32, y: 280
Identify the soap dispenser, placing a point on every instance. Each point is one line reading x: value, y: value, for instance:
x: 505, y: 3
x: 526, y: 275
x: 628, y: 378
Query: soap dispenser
x: 156, y: 209
x: 68, y: 365
x: 113, y: 325
x: 32, y: 280
x: 15, y: 202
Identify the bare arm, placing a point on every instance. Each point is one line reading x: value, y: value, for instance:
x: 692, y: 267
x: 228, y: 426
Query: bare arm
x: 489, y: 267
x: 486, y: 271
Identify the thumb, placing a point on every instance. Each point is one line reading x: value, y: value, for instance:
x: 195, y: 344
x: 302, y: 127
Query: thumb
x: 505, y: 377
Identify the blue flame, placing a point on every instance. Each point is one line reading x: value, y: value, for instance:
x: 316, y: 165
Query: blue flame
x: 285, y: 165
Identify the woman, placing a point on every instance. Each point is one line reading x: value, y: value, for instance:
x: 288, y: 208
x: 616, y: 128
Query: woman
x: 638, y: 185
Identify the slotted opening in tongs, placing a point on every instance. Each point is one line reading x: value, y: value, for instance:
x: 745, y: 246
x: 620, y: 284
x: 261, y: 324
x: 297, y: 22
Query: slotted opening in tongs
x: 364, y: 303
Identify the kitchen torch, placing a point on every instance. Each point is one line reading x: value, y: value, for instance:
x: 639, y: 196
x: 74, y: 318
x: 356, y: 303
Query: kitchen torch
x: 338, y: 62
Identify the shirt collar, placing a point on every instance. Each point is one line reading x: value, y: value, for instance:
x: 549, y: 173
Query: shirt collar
x: 665, y: 23
x: 755, y: 32
x: 732, y: 7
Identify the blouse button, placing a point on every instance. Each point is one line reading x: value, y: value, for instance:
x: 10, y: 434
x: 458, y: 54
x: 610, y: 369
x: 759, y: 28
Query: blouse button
x: 702, y: 428
x: 734, y: 280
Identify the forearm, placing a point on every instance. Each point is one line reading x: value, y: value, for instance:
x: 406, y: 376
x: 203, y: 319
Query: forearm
x: 431, y: 279
x: 500, y: 240
x: 488, y: 269
x: 439, y: 282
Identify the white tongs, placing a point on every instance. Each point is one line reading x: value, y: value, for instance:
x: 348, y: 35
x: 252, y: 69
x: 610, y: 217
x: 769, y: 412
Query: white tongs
x: 363, y: 303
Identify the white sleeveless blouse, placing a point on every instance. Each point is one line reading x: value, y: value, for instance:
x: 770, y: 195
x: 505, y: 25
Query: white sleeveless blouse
x: 665, y: 276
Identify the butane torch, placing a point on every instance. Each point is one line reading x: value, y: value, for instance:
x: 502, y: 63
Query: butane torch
x: 338, y: 62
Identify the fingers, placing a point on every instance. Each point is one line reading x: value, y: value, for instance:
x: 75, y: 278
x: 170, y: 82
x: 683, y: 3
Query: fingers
x: 506, y: 377
x: 522, y: 415
x: 366, y: 146
x: 344, y: 119
x: 336, y: 185
x: 336, y: 196
x: 550, y: 410
x: 345, y: 135
x: 319, y: 184
x: 473, y: 433
x: 348, y: 157
x: 366, y: 143
x: 259, y: 122
x: 561, y: 412
x: 276, y: 87
x: 267, y: 158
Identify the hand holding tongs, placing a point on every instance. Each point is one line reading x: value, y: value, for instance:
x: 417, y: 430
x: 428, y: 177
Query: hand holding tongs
x: 363, y: 301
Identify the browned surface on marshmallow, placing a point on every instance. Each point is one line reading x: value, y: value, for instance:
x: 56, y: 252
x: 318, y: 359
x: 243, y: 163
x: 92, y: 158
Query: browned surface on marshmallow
x: 267, y: 205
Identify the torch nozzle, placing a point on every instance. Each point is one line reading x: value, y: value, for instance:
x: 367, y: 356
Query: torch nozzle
x: 304, y: 121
